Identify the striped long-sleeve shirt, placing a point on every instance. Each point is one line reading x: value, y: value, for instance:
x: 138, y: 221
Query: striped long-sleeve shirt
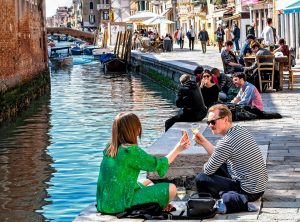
x: 243, y: 157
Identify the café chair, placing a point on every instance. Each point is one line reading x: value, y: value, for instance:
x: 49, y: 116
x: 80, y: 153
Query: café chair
x: 293, y: 73
x: 265, y: 69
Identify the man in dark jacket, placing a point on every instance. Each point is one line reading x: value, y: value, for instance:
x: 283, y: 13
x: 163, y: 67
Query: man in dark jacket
x: 190, y: 100
x: 236, y: 33
x: 203, y: 37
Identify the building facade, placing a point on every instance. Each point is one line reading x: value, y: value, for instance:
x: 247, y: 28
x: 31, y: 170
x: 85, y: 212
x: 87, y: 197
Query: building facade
x: 24, y: 52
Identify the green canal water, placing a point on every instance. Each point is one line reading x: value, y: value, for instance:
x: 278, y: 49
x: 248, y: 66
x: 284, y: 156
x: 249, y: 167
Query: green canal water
x: 50, y: 157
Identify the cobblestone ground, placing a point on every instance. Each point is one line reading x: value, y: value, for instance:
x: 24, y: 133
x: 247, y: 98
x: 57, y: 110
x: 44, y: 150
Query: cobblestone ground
x: 281, y: 201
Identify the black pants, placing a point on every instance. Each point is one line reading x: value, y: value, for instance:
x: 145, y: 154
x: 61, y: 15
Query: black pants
x: 191, y: 43
x: 221, y: 185
x: 203, y: 45
x: 181, y: 41
x: 184, y: 117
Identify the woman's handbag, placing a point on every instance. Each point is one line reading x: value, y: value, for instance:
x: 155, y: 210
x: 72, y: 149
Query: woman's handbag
x: 201, y: 205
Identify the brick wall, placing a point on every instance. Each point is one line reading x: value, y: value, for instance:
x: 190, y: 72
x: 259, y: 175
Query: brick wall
x: 23, y: 45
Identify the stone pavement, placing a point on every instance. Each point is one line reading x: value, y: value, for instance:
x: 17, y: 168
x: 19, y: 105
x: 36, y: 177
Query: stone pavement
x: 281, y: 201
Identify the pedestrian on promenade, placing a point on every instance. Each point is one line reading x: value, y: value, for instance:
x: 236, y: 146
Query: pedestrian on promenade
x: 190, y: 102
x: 228, y: 34
x: 191, y: 36
x: 268, y: 33
x: 203, y: 37
x: 117, y: 187
x: 248, y: 94
x: 220, y: 37
x: 235, y: 172
x: 175, y: 36
x: 236, y: 37
x: 180, y: 37
x: 251, y: 31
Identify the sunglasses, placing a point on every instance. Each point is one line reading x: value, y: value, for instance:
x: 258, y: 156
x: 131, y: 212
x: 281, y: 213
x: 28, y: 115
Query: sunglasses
x: 206, y: 76
x: 213, y: 121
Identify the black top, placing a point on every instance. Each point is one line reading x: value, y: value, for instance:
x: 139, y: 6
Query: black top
x: 210, y: 95
x: 190, y: 99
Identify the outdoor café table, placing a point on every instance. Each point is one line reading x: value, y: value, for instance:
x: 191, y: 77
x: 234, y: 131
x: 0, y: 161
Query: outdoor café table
x: 281, y: 61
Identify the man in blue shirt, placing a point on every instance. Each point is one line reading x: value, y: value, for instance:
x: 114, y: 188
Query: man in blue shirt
x: 246, y: 48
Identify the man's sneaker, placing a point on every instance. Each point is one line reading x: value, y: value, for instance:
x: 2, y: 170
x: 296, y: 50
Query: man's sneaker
x: 220, y: 206
x: 252, y: 207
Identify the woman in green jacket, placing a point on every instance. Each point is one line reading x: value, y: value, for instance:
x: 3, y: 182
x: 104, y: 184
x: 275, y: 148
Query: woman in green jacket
x: 123, y: 159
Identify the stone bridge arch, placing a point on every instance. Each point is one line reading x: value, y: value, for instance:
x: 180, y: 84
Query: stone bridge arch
x: 86, y: 36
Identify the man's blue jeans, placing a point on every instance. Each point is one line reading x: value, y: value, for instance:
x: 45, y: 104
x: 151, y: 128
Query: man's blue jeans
x: 220, y: 185
x: 236, y: 44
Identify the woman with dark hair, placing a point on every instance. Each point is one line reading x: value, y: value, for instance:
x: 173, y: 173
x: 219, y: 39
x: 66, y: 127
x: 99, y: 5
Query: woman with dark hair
x: 117, y: 187
x: 209, y: 90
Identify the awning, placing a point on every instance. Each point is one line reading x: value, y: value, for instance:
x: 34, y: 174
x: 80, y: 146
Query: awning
x: 141, y: 16
x: 293, y: 8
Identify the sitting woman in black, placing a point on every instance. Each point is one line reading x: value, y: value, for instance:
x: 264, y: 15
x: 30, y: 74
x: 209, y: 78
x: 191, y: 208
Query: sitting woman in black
x: 210, y: 91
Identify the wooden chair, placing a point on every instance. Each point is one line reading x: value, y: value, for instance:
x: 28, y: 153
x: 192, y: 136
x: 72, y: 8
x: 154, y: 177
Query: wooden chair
x: 265, y: 68
x: 292, y: 74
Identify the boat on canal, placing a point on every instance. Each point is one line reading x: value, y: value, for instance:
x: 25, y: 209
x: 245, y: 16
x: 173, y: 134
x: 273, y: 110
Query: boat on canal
x: 61, y: 56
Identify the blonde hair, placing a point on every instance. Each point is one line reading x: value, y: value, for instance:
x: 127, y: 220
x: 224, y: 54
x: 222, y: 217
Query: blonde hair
x: 223, y: 111
x: 125, y: 129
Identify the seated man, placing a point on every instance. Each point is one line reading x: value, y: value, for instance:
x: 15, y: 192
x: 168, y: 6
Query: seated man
x: 230, y: 62
x: 246, y: 48
x: 248, y: 94
x: 190, y: 100
x: 228, y: 89
x: 235, y: 171
x: 258, y: 50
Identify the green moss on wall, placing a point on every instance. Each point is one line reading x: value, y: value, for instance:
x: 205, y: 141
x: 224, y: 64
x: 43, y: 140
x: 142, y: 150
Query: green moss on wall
x: 165, y: 81
x: 18, y: 98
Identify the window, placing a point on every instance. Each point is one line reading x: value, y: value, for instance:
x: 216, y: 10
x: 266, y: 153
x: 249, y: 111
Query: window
x: 143, y: 5
x: 105, y: 14
x: 92, y: 19
x: 91, y: 5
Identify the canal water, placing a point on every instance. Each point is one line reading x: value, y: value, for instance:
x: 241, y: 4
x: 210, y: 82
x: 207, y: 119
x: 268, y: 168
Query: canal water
x: 50, y: 157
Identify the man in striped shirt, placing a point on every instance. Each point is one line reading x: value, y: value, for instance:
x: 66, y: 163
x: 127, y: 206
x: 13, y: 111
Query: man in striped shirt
x: 235, y: 172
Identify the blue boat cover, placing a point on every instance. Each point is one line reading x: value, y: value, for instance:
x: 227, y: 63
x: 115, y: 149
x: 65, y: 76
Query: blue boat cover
x: 106, y: 57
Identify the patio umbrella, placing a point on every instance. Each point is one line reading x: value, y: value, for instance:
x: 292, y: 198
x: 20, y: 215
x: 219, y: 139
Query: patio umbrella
x: 140, y: 16
x: 158, y: 20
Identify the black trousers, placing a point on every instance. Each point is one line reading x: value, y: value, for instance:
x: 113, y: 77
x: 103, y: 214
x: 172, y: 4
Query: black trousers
x: 203, y: 45
x: 191, y: 43
x: 221, y: 185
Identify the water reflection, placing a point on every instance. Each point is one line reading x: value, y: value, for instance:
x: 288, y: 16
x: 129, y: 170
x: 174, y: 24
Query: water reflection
x: 25, y: 165
x: 83, y: 102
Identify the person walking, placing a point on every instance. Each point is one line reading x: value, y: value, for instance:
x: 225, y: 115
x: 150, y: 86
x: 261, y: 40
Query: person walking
x: 220, y: 37
x: 203, y: 37
x: 251, y: 31
x: 235, y: 172
x: 180, y: 38
x: 236, y: 37
x: 191, y: 36
x: 228, y: 34
x: 268, y: 33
